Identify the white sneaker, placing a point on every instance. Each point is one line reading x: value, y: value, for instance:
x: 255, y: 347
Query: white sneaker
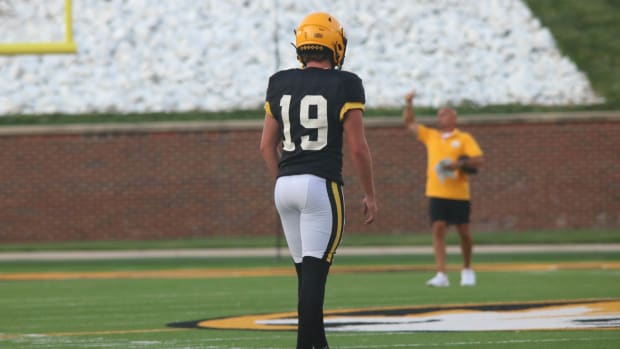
x: 468, y: 277
x: 440, y: 280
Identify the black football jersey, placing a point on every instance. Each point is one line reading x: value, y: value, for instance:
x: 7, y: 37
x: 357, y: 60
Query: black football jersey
x: 309, y: 105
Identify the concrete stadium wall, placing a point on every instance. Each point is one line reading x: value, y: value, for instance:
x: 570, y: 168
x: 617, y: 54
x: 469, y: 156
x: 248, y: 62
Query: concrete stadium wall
x: 169, y: 180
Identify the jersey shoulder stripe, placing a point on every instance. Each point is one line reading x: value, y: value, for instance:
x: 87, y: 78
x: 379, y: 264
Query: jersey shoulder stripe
x: 350, y: 106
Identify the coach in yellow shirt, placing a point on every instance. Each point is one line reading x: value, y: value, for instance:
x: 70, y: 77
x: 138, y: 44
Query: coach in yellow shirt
x: 452, y: 156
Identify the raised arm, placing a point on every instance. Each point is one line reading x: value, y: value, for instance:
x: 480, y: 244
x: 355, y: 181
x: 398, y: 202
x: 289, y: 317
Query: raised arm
x: 409, y: 115
x: 362, y: 160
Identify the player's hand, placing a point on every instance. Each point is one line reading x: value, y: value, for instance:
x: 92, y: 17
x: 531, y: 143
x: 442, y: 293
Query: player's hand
x: 409, y: 97
x: 453, y: 166
x: 370, y: 210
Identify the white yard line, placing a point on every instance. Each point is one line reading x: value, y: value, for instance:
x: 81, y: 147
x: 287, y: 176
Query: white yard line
x: 282, y: 251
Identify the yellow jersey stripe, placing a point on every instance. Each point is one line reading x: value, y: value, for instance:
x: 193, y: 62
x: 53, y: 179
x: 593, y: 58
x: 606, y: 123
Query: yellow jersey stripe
x: 339, y: 223
x: 268, y: 109
x: 351, y: 105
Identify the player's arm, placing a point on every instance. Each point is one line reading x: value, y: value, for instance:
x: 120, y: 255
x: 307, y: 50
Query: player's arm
x: 472, y: 162
x: 269, y: 144
x: 362, y: 159
x: 472, y: 159
x: 409, y: 115
x: 467, y: 164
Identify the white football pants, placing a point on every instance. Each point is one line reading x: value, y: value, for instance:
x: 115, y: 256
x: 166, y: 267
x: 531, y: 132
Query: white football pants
x: 311, y: 210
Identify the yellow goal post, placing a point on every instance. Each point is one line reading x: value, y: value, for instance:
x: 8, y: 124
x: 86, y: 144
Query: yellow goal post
x: 66, y: 46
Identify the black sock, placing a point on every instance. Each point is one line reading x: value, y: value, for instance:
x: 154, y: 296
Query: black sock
x: 311, y: 329
x: 298, y: 270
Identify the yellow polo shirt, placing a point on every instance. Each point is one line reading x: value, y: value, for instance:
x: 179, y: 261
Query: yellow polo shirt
x: 444, y: 149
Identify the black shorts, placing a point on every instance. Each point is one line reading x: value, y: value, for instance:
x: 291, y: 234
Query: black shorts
x: 450, y: 211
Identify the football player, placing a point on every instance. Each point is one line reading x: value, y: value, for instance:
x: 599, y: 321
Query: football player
x: 309, y: 112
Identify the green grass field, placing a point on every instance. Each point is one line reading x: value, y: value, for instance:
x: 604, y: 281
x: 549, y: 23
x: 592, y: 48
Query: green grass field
x: 128, y: 303
x: 557, y: 236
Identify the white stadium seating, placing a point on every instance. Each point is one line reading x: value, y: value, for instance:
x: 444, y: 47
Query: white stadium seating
x: 213, y: 55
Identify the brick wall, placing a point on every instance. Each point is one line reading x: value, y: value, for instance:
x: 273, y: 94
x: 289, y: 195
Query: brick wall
x: 203, y: 179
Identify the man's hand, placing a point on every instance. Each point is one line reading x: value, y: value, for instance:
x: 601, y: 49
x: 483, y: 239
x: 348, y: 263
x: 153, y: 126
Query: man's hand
x: 453, y: 166
x: 370, y: 210
x: 409, y: 97
x: 409, y: 114
x: 465, y: 164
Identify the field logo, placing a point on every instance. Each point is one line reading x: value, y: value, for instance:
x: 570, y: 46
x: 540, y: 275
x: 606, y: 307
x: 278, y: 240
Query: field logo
x: 549, y: 315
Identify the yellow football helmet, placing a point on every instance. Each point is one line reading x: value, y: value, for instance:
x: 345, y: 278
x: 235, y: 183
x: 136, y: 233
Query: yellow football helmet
x: 322, y: 29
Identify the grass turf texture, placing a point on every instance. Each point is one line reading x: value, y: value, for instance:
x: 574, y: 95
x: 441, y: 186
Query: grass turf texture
x: 587, y: 32
x: 573, y: 236
x: 133, y: 313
